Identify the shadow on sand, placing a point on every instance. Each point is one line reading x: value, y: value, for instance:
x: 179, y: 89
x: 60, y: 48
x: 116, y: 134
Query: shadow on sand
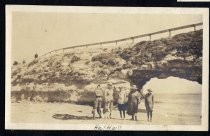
x: 68, y: 116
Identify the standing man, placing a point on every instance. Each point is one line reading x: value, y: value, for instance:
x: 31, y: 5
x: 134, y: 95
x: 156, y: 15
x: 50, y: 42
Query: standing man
x: 108, y: 99
x: 98, y: 102
x: 149, y: 103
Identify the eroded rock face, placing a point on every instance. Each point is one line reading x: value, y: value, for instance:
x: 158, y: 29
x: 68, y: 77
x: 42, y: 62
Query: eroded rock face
x: 140, y: 77
x: 179, y: 56
x: 72, y: 74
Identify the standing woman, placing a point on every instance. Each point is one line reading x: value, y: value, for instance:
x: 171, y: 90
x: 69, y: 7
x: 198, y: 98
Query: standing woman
x: 149, y: 103
x: 122, y: 102
x: 133, y: 102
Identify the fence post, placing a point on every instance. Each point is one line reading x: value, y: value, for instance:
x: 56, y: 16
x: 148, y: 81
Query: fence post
x: 150, y: 37
x: 169, y: 31
x: 132, y: 40
x: 116, y: 43
x: 194, y: 27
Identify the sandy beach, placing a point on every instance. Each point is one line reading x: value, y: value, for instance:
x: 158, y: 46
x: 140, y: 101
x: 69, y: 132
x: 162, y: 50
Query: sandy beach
x: 165, y: 113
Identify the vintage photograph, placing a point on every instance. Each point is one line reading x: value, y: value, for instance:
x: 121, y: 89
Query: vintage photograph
x: 106, y: 68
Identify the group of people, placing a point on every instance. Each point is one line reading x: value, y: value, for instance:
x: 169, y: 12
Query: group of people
x: 129, y: 102
x: 103, y: 103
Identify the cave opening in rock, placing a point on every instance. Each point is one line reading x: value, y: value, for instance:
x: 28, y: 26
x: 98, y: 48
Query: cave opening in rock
x: 173, y: 85
x: 175, y: 99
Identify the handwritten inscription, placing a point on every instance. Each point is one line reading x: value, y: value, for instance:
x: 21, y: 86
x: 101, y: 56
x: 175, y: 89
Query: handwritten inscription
x: 107, y: 127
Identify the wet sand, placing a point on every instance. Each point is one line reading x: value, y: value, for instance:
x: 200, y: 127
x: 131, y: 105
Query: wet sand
x: 27, y: 112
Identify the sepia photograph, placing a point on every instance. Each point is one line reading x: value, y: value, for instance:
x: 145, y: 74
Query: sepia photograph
x: 106, y: 68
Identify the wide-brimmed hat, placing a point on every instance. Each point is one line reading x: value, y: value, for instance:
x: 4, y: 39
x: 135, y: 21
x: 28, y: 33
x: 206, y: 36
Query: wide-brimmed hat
x: 134, y: 87
x: 149, y: 90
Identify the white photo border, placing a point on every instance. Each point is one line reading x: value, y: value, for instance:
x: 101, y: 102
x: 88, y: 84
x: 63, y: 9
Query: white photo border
x: 130, y: 10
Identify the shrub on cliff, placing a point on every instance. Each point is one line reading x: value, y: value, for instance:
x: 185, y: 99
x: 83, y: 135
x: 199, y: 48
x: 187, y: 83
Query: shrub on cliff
x: 33, y: 62
x: 159, y: 55
x: 127, y: 65
x: 15, y: 63
x: 75, y: 58
x: 36, y: 56
x: 127, y: 54
x: 106, y: 59
x: 185, y: 44
x: 24, y: 62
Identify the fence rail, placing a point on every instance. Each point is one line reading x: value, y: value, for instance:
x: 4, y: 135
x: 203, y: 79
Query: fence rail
x: 128, y: 38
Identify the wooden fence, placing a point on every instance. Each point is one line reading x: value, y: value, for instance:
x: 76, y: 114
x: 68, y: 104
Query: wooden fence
x: 129, y: 38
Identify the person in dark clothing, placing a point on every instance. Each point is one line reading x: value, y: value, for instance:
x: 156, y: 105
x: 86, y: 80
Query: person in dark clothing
x: 149, y: 103
x: 133, y: 102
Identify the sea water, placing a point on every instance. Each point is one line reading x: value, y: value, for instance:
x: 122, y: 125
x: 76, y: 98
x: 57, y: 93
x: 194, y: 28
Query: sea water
x: 179, y: 104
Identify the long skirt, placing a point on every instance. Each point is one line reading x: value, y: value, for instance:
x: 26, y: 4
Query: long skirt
x: 132, y: 108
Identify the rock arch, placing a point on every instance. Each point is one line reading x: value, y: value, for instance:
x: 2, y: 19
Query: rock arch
x: 141, y: 77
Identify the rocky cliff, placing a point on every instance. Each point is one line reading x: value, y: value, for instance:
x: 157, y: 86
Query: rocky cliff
x: 73, y: 76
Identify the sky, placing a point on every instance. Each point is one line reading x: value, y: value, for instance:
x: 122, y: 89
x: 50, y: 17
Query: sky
x: 173, y: 85
x: 34, y: 32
